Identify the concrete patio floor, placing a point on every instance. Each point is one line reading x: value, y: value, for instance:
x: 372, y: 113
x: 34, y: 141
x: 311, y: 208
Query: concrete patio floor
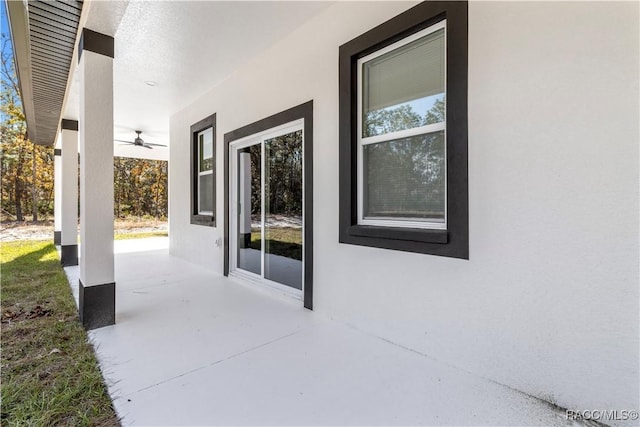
x: 194, y: 348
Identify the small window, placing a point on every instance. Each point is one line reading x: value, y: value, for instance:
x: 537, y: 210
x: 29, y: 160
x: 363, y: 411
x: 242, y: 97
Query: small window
x: 403, y: 133
x: 203, y: 171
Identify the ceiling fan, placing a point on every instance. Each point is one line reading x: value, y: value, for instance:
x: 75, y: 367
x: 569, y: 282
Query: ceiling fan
x: 140, y: 142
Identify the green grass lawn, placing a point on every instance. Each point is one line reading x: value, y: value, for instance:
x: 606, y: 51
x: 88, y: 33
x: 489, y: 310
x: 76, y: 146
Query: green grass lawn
x: 50, y: 375
x: 124, y: 236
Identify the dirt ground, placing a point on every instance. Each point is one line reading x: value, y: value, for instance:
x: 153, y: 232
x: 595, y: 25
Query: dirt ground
x: 43, y: 230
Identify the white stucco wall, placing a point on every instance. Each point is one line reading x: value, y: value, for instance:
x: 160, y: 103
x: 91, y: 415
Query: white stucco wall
x: 548, y: 302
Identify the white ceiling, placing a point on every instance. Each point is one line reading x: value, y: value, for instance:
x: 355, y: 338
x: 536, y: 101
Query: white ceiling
x: 186, y: 48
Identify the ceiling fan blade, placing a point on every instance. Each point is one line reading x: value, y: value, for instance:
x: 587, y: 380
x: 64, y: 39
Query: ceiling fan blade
x: 122, y: 140
x: 158, y: 145
x: 147, y: 146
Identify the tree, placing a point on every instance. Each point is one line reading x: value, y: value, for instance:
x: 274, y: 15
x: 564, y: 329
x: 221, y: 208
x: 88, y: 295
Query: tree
x: 24, y: 166
x: 140, y: 187
x: 13, y: 131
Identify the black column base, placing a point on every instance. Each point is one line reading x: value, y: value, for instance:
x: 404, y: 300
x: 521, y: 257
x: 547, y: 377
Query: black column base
x: 57, y: 237
x: 97, y: 305
x: 68, y: 255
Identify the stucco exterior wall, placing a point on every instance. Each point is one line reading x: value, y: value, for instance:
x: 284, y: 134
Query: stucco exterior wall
x: 548, y: 302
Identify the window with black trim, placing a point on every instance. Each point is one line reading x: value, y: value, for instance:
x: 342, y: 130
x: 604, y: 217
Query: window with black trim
x: 203, y: 172
x: 403, y: 133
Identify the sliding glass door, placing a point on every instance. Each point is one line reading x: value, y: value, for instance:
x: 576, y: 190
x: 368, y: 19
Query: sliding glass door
x: 267, y: 208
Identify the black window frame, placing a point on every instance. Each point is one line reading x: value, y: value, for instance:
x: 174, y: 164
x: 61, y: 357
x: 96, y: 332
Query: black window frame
x: 454, y: 241
x: 196, y: 128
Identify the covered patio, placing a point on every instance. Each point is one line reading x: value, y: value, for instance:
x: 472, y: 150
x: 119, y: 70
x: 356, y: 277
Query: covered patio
x: 516, y: 299
x: 191, y: 347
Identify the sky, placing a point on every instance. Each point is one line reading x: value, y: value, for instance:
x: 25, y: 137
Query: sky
x: 5, y: 31
x: 5, y: 22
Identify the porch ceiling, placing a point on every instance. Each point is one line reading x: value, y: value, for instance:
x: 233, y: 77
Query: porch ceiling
x: 184, y: 47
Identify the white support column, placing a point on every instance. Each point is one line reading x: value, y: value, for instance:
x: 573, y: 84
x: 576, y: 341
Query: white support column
x: 69, y: 193
x: 57, y: 189
x: 97, y: 279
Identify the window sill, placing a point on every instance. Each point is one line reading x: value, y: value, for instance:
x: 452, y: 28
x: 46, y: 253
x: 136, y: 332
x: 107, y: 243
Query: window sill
x: 430, y: 242
x: 399, y: 233
x: 206, y: 220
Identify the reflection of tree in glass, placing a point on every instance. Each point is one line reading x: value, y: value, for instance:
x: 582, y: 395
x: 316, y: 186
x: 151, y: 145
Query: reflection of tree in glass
x: 387, y: 120
x: 283, y: 162
x: 283, y: 195
x: 383, y: 121
x: 405, y: 177
x: 435, y: 114
x: 206, y: 164
x: 255, y: 152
